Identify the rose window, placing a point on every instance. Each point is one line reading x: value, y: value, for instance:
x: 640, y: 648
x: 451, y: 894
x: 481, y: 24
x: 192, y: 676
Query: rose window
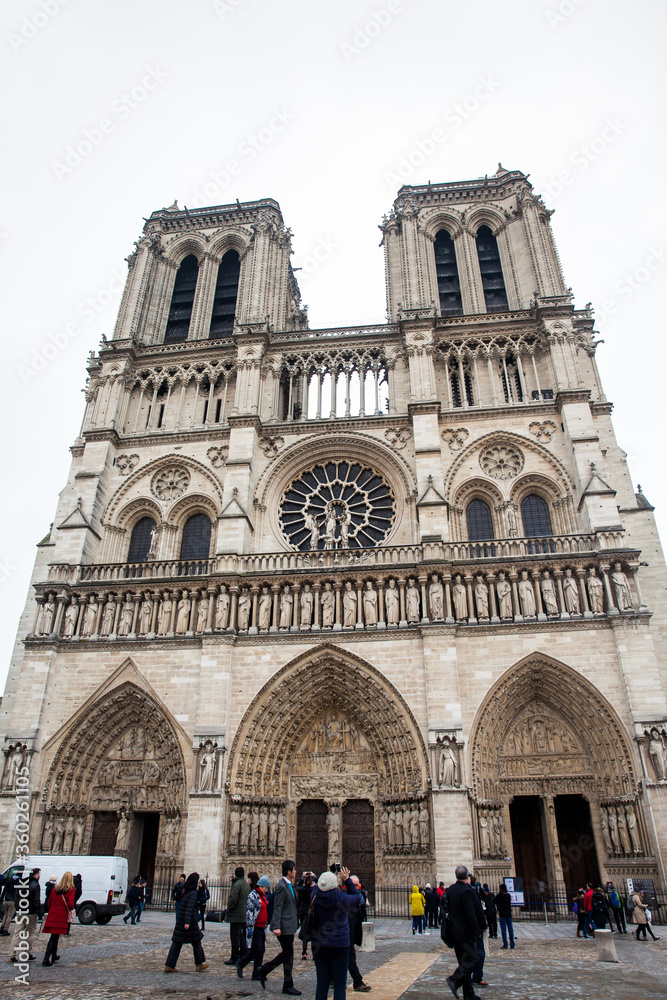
x: 337, y: 505
x: 501, y: 462
x: 171, y: 482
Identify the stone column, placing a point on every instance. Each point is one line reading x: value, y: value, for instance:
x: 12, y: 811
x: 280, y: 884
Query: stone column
x: 472, y: 618
x: 402, y: 622
x: 518, y: 617
x: 156, y: 605
x: 558, y: 574
x: 360, y: 608
x: 491, y: 582
x: 234, y: 591
x: 212, y: 598
x: 40, y: 601
x: 137, y: 604
x: 61, y: 600
x: 422, y: 585
x: 296, y: 608
x: 447, y: 580
x: 581, y: 576
x: 194, y: 600
x: 541, y: 617
x: 317, y: 587
x: 275, y: 590
x: 611, y: 607
x: 337, y: 627
x: 254, y: 590
x: 381, y: 622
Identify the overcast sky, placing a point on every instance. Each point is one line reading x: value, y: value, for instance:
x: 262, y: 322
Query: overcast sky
x: 114, y: 109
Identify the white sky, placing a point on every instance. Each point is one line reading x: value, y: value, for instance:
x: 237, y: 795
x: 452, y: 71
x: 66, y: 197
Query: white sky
x: 561, y: 85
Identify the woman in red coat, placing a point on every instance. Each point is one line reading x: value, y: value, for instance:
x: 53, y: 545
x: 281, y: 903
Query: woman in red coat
x: 61, y: 913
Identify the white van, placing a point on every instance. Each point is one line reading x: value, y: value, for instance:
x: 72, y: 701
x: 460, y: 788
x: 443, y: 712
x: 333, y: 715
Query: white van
x: 103, y: 881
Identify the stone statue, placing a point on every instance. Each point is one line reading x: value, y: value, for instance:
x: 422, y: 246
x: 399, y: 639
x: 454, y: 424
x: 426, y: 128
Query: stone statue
x: 222, y: 608
x: 286, y: 607
x: 623, y: 838
x: 604, y: 822
x: 570, y: 593
x: 306, y: 606
x: 399, y: 826
x: 206, y: 768
x: 448, y: 769
x: 108, y: 616
x: 333, y: 828
x: 244, y: 606
x: 621, y: 589
x: 282, y: 830
x: 273, y: 830
x: 58, y: 833
x: 412, y: 601
x: 631, y: 819
x: 391, y: 602
x: 481, y: 597
x: 263, y: 829
x: 391, y: 828
x: 313, y: 528
x: 510, y: 513
x: 460, y: 599
x: 504, y: 592
x: 244, y: 829
x: 145, y: 615
x: 183, y: 613
x: 658, y: 755
x: 264, y: 610
x: 254, y: 829
x: 46, y: 616
x: 126, y: 616
x: 202, y: 613
x: 414, y: 825
x: 613, y: 831
x: 345, y: 522
x: 349, y: 606
x: 68, y: 839
x: 423, y: 825
x: 47, y: 834
x: 71, y: 617
x: 497, y: 829
x: 328, y: 602
x: 384, y: 828
x: 164, y: 614
x: 370, y: 604
x: 79, y: 831
x: 484, y: 837
x: 549, y: 594
x: 595, y: 592
x: 123, y: 833
x: 89, y: 618
x: 436, y: 599
x: 152, y: 550
x: 330, y: 529
x: 526, y: 595
x: 234, y: 826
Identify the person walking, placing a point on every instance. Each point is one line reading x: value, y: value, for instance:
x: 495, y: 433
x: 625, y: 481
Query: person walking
x: 60, y: 916
x: 8, y: 889
x: 432, y: 906
x: 355, y: 920
x: 177, y: 893
x: 258, y: 913
x: 417, y: 909
x: 600, y: 910
x: 578, y: 910
x: 331, y: 934
x: 34, y: 911
x: 504, y: 909
x: 48, y: 886
x: 639, y: 917
x: 465, y: 920
x: 589, y: 926
x: 303, y: 891
x: 132, y: 899
x: 186, y: 928
x: 236, y: 915
x: 441, y: 897
x: 617, y: 908
x: 142, y: 897
x: 203, y: 896
x: 284, y: 923
x: 489, y: 904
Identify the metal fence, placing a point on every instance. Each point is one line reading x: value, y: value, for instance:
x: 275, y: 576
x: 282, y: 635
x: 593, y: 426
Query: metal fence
x: 392, y: 901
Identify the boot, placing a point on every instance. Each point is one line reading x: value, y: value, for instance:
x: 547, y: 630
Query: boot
x: 200, y: 968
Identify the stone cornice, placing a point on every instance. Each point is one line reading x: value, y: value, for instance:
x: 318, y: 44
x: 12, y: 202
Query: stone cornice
x: 430, y: 406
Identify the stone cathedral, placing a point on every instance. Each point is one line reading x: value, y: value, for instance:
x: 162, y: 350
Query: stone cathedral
x: 379, y: 594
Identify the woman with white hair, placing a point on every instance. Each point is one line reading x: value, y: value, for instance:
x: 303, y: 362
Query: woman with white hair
x: 331, y: 931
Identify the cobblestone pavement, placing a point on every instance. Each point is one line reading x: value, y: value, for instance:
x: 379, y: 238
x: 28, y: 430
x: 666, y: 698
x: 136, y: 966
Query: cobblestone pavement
x: 548, y: 963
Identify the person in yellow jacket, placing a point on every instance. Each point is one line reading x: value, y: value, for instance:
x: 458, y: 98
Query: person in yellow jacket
x: 417, y: 904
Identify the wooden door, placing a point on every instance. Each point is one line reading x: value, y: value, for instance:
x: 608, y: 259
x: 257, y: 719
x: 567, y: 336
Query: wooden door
x: 359, y: 841
x: 311, y: 837
x: 104, y: 833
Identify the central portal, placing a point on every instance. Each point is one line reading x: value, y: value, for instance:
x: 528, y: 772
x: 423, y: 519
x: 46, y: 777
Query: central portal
x: 318, y: 844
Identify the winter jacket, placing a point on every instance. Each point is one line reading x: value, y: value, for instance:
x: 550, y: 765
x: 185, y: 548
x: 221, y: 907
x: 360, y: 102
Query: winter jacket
x: 432, y: 900
x: 203, y: 896
x: 9, y: 887
x: 187, y: 914
x: 47, y: 892
x: 253, y: 909
x: 599, y: 906
x: 416, y: 902
x: 133, y: 895
x: 489, y: 904
x: 504, y: 905
x: 639, y: 912
x: 332, y: 927
x: 177, y: 891
x: 354, y: 915
x: 78, y: 888
x: 465, y: 912
x: 238, y: 901
x: 303, y: 893
x: 60, y: 904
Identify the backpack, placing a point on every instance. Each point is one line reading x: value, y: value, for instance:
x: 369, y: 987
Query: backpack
x: 614, y: 900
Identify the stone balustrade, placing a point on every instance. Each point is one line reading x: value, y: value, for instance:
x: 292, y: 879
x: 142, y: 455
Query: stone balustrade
x: 229, y: 594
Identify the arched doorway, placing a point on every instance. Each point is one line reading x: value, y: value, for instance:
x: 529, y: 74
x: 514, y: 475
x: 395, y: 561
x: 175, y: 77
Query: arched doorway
x: 555, y: 793
x: 116, y: 784
x: 329, y: 764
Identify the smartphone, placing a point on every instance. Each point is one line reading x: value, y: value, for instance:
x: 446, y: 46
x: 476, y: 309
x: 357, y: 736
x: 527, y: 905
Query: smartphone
x: 337, y: 868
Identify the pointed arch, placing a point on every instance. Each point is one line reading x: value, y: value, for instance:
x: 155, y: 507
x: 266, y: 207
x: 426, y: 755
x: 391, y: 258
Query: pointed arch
x: 599, y: 759
x: 283, y: 711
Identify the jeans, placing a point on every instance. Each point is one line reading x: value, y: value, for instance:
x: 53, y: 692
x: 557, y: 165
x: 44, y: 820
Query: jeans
x: 478, y: 971
x: 467, y: 955
x: 432, y: 918
x: 620, y: 918
x: 418, y: 924
x: 505, y: 926
x: 175, y: 951
x: 239, y: 939
x: 330, y: 963
x: 134, y: 914
x: 284, y: 958
x: 589, y: 926
x: 257, y: 949
x: 202, y: 914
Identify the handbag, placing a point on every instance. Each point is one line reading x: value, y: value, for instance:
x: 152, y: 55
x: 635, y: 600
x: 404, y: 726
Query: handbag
x: 308, y: 928
x: 70, y: 916
x: 447, y: 926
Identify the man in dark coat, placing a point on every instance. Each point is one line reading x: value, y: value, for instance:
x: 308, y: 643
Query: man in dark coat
x: 237, y: 905
x: 467, y: 925
x: 186, y: 930
x: 432, y: 906
x: 489, y: 904
x: 284, y: 922
x: 177, y: 893
x: 356, y: 933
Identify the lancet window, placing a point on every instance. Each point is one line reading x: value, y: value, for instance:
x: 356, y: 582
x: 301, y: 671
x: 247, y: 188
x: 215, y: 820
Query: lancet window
x: 479, y: 521
x: 226, y: 291
x: 182, y: 301
x: 140, y: 540
x: 196, y: 541
x: 449, y: 287
x: 535, y: 516
x: 493, y: 283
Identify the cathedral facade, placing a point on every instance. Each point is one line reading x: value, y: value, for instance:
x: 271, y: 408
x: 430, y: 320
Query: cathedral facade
x: 380, y: 594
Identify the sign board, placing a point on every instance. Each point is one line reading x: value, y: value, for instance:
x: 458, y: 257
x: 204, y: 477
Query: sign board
x: 515, y: 889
